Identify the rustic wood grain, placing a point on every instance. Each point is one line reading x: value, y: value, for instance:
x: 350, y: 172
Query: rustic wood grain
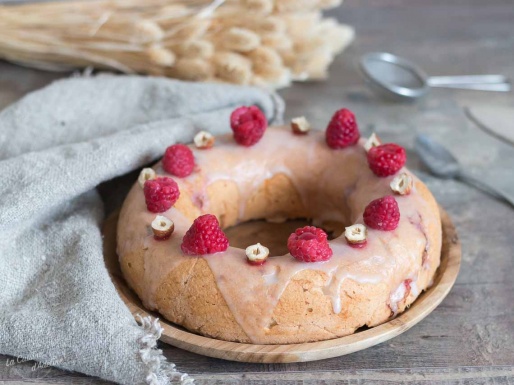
x: 469, y: 338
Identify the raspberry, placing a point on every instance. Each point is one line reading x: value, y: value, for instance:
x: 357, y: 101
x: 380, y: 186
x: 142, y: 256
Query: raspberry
x: 204, y: 237
x: 178, y: 160
x: 160, y: 194
x: 248, y: 124
x: 386, y: 159
x: 382, y: 214
x: 309, y: 244
x: 342, y: 131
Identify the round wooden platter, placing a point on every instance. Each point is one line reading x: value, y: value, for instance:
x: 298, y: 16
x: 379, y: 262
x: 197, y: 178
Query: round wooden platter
x: 181, y: 338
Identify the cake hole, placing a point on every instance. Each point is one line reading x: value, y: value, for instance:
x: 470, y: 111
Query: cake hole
x: 310, y: 310
x: 272, y: 235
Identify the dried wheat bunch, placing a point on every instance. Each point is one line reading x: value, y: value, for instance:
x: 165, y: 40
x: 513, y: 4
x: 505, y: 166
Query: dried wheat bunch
x: 261, y: 42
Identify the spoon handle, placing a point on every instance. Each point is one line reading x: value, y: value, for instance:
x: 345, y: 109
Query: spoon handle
x: 486, y: 187
x: 435, y: 81
x: 498, y: 87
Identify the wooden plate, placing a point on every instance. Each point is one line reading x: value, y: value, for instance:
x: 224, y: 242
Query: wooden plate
x: 179, y: 337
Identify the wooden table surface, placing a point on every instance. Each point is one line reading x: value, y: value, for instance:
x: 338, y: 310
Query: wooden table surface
x: 469, y: 338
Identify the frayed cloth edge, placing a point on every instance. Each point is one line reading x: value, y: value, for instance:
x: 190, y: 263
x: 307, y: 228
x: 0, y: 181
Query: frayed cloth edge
x: 158, y: 370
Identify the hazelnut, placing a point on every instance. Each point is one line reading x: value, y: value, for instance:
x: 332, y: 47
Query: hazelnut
x: 356, y: 235
x: 257, y: 254
x: 144, y: 175
x: 300, y: 125
x: 204, y: 140
x: 373, y: 141
x: 402, y: 184
x: 162, y: 228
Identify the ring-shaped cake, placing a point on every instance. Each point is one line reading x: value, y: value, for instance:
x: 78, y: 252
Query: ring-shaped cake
x: 284, y: 300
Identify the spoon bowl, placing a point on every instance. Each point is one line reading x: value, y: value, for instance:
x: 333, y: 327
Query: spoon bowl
x: 436, y: 157
x: 394, y: 77
x: 443, y: 164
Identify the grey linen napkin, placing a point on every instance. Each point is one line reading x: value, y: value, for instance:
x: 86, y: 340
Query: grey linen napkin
x: 57, y: 302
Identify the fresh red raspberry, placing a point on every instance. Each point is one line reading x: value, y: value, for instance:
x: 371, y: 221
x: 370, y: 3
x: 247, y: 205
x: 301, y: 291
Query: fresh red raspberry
x: 160, y: 194
x: 342, y: 131
x: 382, y: 214
x: 204, y: 237
x: 178, y: 160
x: 309, y: 244
x: 386, y: 159
x: 248, y: 124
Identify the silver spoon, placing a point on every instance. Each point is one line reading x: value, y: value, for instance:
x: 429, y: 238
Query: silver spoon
x: 396, y: 77
x: 443, y: 164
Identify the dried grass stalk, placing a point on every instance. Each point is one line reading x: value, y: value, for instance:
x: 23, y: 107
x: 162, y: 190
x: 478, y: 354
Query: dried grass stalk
x: 261, y: 42
x: 192, y: 69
